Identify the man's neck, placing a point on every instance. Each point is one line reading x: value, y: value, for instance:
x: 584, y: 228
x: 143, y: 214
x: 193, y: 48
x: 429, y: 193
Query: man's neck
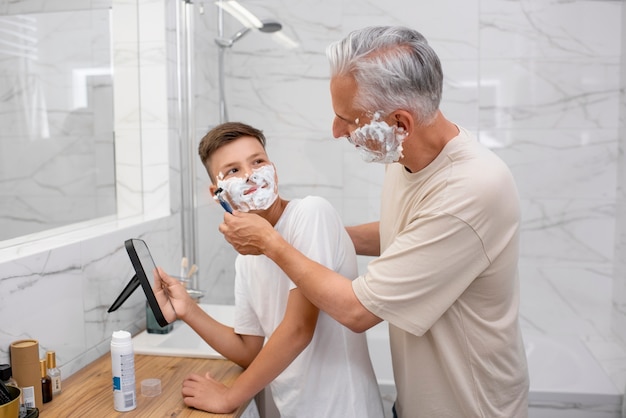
x: 426, y: 143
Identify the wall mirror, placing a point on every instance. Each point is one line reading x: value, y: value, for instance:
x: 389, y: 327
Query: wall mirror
x: 57, y: 163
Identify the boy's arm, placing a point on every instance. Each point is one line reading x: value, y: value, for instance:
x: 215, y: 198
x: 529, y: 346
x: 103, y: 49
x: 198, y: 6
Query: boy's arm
x: 175, y: 302
x: 288, y: 340
x: 240, y: 349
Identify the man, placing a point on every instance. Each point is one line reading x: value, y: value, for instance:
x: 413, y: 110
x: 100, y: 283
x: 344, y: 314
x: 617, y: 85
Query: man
x: 314, y: 366
x: 447, y: 240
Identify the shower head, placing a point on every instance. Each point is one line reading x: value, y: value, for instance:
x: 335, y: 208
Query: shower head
x: 267, y: 26
x: 270, y: 26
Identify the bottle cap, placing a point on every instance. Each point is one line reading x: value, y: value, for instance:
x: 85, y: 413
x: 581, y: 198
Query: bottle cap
x: 43, y: 368
x: 51, y: 359
x: 121, y: 337
x: 151, y: 387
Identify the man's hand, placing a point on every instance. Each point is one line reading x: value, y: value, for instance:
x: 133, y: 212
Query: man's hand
x: 247, y: 232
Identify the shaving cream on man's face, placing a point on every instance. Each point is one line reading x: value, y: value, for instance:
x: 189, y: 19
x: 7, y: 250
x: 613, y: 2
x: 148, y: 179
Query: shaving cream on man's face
x: 378, y: 142
x: 256, y: 192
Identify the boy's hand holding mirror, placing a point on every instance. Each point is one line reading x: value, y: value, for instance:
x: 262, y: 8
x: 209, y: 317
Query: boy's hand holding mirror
x: 171, y: 295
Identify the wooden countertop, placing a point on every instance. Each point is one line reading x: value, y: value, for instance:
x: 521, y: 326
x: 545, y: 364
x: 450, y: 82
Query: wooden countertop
x: 89, y: 392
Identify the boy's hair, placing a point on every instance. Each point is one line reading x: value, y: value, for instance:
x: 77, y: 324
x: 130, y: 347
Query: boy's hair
x: 221, y: 135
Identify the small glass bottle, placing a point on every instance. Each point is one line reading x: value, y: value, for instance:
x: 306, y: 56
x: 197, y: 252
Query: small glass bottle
x: 46, y: 382
x: 6, y: 375
x: 53, y: 372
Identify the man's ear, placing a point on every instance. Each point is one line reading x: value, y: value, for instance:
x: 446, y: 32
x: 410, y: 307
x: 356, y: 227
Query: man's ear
x: 404, y: 120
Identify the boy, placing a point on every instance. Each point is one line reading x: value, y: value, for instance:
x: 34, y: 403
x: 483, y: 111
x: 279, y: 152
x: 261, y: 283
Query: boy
x: 314, y: 366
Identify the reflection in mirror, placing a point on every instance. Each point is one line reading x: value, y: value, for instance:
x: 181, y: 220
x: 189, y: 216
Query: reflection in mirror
x: 56, y: 113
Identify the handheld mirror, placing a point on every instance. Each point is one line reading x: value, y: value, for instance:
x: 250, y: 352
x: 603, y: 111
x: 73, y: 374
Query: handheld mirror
x: 144, y: 267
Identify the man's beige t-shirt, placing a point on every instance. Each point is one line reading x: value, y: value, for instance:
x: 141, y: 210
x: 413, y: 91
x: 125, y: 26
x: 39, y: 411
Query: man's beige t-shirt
x: 447, y: 283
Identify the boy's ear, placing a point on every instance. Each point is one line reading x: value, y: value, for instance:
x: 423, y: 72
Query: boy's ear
x: 212, y: 189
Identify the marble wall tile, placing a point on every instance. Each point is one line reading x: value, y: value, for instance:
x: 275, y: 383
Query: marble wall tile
x: 566, y: 298
x: 461, y: 88
x: 540, y: 29
x: 32, y: 304
x: 568, y: 229
x: 591, y: 156
x: 570, y: 93
x: 60, y: 297
x: 619, y: 282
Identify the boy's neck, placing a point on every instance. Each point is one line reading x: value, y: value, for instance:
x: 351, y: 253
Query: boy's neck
x: 274, y: 212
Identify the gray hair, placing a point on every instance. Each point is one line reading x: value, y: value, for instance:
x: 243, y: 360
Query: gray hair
x: 394, y: 68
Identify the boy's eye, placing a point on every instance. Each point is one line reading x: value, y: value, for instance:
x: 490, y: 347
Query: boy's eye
x: 260, y: 161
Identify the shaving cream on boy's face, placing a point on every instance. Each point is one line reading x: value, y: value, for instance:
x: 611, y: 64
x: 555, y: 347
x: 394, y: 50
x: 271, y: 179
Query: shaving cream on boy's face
x: 256, y: 192
x: 377, y: 141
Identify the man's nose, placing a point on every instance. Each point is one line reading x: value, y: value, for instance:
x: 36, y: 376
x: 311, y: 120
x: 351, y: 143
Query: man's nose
x: 340, y: 128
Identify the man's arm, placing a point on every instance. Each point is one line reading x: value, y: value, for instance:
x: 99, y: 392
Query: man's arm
x: 329, y: 291
x: 366, y: 238
x: 286, y: 342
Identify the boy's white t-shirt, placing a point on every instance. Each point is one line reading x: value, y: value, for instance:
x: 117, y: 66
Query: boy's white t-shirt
x: 333, y: 376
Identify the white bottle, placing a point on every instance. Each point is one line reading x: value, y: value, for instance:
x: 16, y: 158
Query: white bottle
x: 123, y: 368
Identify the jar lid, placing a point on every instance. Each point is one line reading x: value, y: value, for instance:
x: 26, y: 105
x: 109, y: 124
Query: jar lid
x: 24, y: 343
x: 151, y: 387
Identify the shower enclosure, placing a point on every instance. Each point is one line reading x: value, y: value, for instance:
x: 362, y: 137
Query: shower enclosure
x: 207, y: 34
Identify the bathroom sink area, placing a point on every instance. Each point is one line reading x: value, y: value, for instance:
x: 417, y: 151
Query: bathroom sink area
x: 182, y: 341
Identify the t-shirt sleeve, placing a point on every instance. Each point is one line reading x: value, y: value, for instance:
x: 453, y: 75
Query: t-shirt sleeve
x: 422, y: 273
x: 317, y: 232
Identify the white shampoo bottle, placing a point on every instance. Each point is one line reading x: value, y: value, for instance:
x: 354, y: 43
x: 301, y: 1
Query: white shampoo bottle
x: 123, y: 368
